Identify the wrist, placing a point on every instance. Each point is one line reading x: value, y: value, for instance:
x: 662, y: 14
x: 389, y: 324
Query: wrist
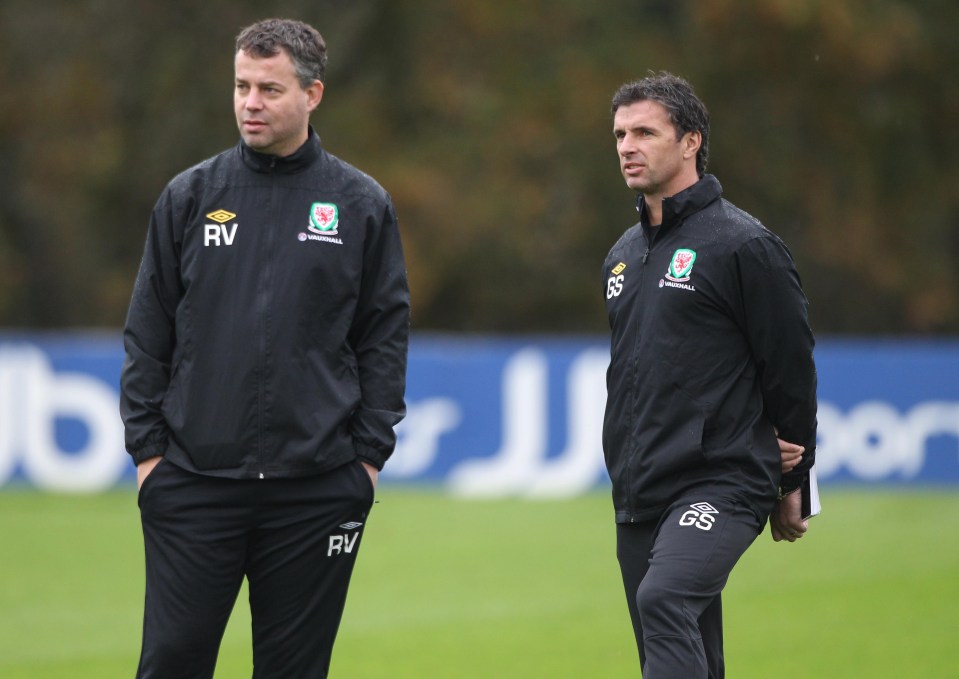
x: 780, y: 494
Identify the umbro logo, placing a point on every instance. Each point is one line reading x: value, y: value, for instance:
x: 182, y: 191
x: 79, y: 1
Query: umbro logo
x: 221, y: 216
x: 351, y: 525
x: 702, y: 515
x: 219, y: 233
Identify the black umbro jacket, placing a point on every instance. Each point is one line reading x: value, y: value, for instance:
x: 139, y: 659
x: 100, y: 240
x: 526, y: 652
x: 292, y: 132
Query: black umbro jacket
x: 267, y: 331
x: 711, y: 353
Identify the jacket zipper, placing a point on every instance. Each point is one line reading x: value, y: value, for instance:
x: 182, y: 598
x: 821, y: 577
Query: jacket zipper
x: 264, y: 312
x: 642, y: 288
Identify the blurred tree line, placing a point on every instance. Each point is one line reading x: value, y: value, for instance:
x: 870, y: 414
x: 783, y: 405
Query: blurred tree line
x: 489, y: 124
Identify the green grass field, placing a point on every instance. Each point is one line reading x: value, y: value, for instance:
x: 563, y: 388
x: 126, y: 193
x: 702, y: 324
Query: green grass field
x: 510, y: 589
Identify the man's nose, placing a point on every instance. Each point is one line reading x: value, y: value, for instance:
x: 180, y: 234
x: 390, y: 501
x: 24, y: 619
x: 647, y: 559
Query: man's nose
x: 253, y: 101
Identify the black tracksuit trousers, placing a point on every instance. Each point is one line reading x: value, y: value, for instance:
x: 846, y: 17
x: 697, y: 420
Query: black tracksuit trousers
x: 674, y: 570
x: 295, y: 540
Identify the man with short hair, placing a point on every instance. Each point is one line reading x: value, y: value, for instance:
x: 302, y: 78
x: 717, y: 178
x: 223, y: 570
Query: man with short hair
x: 265, y: 368
x: 711, y: 362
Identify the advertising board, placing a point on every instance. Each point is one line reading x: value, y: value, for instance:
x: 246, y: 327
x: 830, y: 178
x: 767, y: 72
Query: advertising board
x: 491, y: 416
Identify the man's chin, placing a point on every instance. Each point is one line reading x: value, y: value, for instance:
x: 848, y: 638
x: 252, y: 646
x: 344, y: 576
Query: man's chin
x: 255, y: 141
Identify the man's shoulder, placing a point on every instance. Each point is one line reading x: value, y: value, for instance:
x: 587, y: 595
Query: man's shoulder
x: 347, y: 178
x: 746, y: 238
x: 725, y: 223
x: 219, y: 165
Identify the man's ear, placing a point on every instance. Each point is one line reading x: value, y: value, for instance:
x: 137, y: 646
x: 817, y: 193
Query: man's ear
x: 691, y: 143
x: 314, y: 95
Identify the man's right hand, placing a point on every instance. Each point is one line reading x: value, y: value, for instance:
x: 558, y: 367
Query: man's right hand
x: 144, y: 469
x: 786, y: 522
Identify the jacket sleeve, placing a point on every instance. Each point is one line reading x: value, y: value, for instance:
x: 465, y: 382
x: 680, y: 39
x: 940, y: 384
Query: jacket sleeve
x: 379, y: 336
x: 781, y: 340
x: 149, y: 337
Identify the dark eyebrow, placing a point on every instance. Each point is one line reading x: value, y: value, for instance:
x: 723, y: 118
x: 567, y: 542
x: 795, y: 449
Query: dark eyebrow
x: 265, y: 83
x: 638, y: 128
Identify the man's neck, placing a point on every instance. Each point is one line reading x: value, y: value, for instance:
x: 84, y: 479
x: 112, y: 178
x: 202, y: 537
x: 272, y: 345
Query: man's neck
x: 654, y: 210
x: 654, y: 202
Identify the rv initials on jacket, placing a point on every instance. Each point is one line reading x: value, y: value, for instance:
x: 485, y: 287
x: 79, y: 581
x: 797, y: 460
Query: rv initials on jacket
x: 215, y: 233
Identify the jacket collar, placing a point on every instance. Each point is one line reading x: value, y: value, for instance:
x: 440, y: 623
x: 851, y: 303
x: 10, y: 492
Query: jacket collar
x: 296, y: 161
x: 685, y: 203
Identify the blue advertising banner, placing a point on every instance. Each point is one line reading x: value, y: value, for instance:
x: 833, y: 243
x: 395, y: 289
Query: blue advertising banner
x: 490, y: 417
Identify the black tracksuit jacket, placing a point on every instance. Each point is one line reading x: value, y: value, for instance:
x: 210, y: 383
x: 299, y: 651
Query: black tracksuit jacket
x: 711, y: 350
x: 268, y: 327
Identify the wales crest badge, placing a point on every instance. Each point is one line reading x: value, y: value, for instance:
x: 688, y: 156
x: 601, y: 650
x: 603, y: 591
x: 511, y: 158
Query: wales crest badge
x: 681, y: 266
x: 324, y: 218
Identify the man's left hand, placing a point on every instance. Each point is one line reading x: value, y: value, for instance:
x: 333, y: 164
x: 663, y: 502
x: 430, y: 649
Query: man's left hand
x: 791, y: 454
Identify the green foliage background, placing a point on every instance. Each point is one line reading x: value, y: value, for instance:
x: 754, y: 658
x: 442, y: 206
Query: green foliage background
x: 833, y: 122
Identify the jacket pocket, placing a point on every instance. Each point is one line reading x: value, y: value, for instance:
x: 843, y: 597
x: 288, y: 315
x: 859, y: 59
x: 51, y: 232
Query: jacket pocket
x: 673, y: 436
x: 365, y: 483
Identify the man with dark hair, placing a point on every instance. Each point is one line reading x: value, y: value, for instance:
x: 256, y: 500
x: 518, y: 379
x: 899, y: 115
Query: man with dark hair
x: 265, y: 369
x: 711, y: 362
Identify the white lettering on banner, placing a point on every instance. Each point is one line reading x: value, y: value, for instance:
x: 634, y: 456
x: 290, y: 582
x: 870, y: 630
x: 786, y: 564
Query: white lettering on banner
x: 520, y: 466
x: 523, y: 408
x: 578, y: 467
x: 874, y: 442
x: 32, y: 398
x: 418, y: 436
x: 871, y: 441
